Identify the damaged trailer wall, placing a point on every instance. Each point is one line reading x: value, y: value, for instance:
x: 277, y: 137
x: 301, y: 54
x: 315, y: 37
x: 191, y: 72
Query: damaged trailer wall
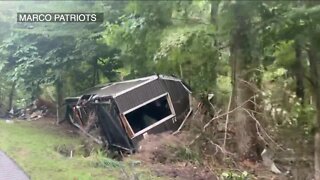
x: 112, y: 128
x: 164, y: 101
x: 107, y: 121
x: 179, y: 99
x: 178, y: 93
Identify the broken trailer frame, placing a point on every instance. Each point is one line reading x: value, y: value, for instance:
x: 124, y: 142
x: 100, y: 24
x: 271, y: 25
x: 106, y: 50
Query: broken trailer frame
x: 124, y: 112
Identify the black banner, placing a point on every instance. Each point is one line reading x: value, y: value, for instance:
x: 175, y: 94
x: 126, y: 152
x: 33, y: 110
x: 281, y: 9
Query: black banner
x: 59, y: 17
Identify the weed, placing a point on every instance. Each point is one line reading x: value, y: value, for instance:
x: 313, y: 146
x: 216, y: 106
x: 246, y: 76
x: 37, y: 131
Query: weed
x: 103, y: 161
x: 186, y: 154
x: 234, y: 176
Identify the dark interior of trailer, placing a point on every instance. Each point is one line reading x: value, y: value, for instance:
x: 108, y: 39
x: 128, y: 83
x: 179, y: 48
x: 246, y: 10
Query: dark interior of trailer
x: 148, y: 114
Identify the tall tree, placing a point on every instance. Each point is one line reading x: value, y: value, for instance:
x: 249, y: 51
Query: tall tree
x: 243, y: 70
x: 314, y: 59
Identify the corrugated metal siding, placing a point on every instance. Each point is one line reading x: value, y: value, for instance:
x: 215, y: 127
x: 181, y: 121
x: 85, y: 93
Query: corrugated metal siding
x: 139, y: 95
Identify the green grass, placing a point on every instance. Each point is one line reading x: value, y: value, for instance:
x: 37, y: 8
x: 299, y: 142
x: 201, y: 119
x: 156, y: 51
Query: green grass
x: 33, y: 146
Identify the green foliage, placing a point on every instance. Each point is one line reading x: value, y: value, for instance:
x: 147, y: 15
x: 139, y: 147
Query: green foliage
x: 186, y: 154
x: 274, y: 73
x: 105, y: 162
x: 285, y: 54
x: 40, y: 54
x: 189, y: 52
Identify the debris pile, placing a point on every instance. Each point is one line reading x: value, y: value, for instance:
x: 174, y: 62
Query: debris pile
x: 38, y: 109
x: 167, y: 155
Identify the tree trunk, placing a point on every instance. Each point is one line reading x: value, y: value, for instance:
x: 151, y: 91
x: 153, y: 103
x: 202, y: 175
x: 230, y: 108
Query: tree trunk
x: 59, y: 100
x: 95, y: 78
x: 317, y: 151
x: 315, y: 74
x: 242, y: 62
x: 11, y: 95
x: 299, y: 72
x: 213, y: 11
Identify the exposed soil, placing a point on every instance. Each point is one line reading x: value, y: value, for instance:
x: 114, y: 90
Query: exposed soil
x: 177, y: 171
x: 158, y: 152
x: 152, y: 148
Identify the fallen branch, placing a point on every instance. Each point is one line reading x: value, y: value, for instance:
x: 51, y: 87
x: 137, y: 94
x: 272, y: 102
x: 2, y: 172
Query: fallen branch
x: 219, y: 147
x: 86, y: 133
x: 226, y: 125
x: 252, y: 86
x: 198, y: 107
x: 261, y: 137
x: 34, y: 118
x: 204, y: 128
x: 214, y: 109
x: 263, y: 130
x: 217, y: 117
x: 206, y: 125
x: 183, y: 122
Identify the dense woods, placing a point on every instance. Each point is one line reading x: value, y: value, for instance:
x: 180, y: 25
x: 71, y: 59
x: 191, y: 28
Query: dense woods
x: 262, y: 56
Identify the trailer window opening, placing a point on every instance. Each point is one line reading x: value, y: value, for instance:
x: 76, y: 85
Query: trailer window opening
x: 149, y: 114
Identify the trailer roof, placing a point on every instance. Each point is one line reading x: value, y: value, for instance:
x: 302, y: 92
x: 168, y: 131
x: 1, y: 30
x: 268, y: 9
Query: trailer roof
x: 117, y: 88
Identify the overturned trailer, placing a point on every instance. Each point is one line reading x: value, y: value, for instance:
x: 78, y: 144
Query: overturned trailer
x: 125, y: 112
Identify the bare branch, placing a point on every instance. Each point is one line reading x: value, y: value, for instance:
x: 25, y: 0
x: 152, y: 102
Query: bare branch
x: 183, y: 122
x: 217, y: 117
x: 219, y: 147
x: 226, y: 125
x: 263, y: 130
